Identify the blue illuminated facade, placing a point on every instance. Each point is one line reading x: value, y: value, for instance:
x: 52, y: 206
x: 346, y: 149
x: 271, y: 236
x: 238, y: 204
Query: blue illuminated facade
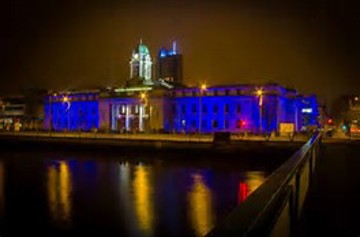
x: 238, y: 108
x: 72, y: 111
x: 242, y: 108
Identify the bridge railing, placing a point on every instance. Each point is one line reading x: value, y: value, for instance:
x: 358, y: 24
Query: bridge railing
x: 275, y: 207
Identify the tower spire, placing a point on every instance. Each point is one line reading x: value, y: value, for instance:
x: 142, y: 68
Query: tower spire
x: 140, y: 40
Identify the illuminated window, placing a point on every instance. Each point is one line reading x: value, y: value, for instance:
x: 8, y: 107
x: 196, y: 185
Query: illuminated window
x: 204, y: 123
x: 227, y: 92
x: 183, y: 109
x: 204, y: 109
x: 226, y: 108
x: 215, y: 124
x: 193, y: 93
x: 193, y: 108
x: 183, y: 122
x: 193, y: 123
x: 215, y: 92
x: 238, y: 108
x: 226, y: 124
x: 94, y: 110
x: 215, y: 108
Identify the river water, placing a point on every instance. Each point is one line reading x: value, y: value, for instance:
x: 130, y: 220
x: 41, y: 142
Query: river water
x: 64, y: 194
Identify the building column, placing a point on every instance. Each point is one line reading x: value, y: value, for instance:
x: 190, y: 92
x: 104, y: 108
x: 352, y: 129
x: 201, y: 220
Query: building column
x: 278, y: 114
x: 113, y: 116
x: 141, y: 117
x: 296, y: 117
x: 127, y: 118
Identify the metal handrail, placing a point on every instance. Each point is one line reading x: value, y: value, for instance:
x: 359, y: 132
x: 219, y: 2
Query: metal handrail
x: 258, y: 214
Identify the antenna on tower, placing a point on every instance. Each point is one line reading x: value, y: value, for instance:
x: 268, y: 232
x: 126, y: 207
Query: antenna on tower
x: 174, y: 47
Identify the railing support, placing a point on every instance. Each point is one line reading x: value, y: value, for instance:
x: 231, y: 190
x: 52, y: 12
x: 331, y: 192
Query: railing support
x: 275, y: 207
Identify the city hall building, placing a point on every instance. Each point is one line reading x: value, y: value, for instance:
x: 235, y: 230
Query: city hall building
x: 163, y: 104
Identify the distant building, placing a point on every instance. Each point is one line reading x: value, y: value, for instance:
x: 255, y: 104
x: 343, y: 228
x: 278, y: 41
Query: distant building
x: 22, y: 112
x: 72, y: 110
x: 140, y: 66
x: 12, y: 112
x: 239, y: 108
x: 169, y: 67
x: 354, y: 115
x: 164, y: 105
x: 308, y: 113
x: 346, y: 112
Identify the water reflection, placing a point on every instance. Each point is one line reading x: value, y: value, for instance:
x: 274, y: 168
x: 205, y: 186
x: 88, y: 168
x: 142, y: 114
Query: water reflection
x: 143, y: 198
x: 59, y: 188
x: 200, y: 206
x: 243, y: 192
x: 253, y: 179
x: 122, y: 197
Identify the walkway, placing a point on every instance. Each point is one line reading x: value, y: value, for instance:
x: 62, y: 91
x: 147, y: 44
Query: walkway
x: 333, y: 204
x: 206, y: 138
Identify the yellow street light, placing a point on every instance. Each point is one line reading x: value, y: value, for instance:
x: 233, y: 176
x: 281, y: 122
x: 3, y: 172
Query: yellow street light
x: 143, y: 95
x: 259, y: 92
x: 203, y: 87
x: 66, y: 99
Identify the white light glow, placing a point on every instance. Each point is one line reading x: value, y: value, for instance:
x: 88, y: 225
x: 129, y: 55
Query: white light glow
x: 307, y: 110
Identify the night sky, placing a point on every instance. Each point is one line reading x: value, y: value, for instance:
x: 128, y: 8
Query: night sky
x: 59, y: 44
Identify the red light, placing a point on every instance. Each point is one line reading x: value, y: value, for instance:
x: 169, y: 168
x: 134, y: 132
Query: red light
x: 242, y: 123
x: 243, y: 192
x: 330, y: 121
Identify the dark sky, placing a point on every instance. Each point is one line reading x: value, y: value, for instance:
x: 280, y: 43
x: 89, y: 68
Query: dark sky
x: 309, y: 45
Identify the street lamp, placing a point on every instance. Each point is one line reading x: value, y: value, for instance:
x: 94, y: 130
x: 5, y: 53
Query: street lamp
x: 142, y: 110
x: 259, y: 94
x: 66, y: 100
x: 203, y: 88
x: 143, y: 97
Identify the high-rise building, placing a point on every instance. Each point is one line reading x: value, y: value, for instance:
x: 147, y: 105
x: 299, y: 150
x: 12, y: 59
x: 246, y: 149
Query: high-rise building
x: 140, y: 66
x: 170, y: 65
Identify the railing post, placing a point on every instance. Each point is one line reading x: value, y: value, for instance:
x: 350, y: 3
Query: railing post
x: 293, y: 213
x: 297, y: 195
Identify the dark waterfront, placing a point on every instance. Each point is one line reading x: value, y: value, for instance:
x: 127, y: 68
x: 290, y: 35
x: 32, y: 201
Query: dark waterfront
x: 64, y: 194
